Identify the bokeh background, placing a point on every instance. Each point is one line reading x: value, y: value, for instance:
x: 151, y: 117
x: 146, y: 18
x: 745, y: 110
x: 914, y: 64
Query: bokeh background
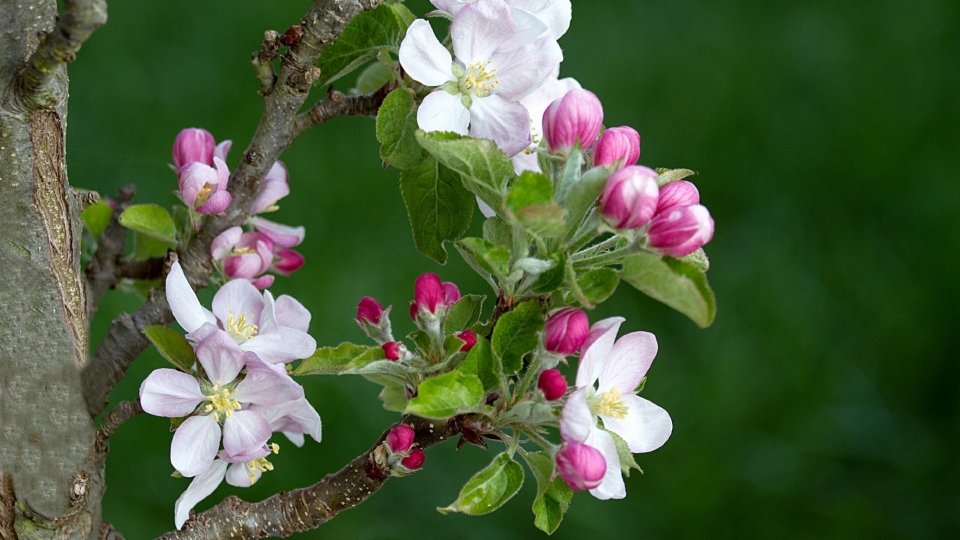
x: 821, y: 404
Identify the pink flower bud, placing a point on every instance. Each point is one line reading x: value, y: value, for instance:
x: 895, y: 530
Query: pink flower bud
x: 288, y: 261
x: 391, y: 350
x: 574, y: 118
x: 618, y: 146
x: 429, y: 293
x: 565, y: 331
x: 677, y: 193
x: 415, y: 460
x: 681, y: 230
x: 193, y: 145
x: 203, y: 187
x: 451, y: 293
x: 274, y: 187
x: 244, y: 255
x: 263, y: 282
x: 552, y: 384
x: 469, y: 338
x: 630, y: 197
x: 369, y: 311
x: 400, y: 438
x: 582, y: 467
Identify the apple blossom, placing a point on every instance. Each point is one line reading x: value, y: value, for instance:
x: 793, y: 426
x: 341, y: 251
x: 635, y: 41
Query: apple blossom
x: 681, y: 230
x: 565, y: 331
x: 677, y: 193
x: 554, y: 15
x: 244, y: 255
x: 282, y: 236
x: 574, y: 119
x: 552, y: 384
x: 274, y: 187
x: 204, y: 188
x: 581, y: 466
x: 630, y: 197
x: 618, y: 146
x: 193, y: 145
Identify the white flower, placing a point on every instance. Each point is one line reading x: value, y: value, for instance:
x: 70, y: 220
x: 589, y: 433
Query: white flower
x: 479, y: 92
x: 618, y: 368
x: 533, y: 17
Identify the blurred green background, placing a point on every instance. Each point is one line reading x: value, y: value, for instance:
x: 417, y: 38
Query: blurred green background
x: 821, y: 404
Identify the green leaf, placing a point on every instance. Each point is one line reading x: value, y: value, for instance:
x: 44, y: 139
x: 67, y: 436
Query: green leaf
x: 485, y: 257
x: 96, y: 217
x: 571, y: 172
x: 146, y: 247
x: 438, y: 206
x: 598, y: 285
x: 371, y: 355
x: 550, y: 507
x: 151, y: 220
x: 542, y: 220
x: 484, y: 168
x: 699, y: 259
x: 463, y: 314
x: 404, y: 15
x: 172, y: 346
x: 394, y: 397
x: 490, y: 488
x: 627, y: 462
x: 516, y: 334
x: 360, y: 41
x: 331, y: 360
x: 672, y: 175
x: 530, y: 189
x: 552, y: 279
x: 541, y: 465
x: 584, y: 194
x: 481, y: 362
x: 446, y: 395
x: 677, y: 284
x: 396, y: 130
x: 374, y: 77
x: 497, y: 232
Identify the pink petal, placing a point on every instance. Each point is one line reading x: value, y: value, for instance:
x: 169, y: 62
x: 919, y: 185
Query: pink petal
x: 183, y: 301
x: 288, y: 261
x: 271, y: 191
x: 479, y: 29
x: 506, y: 123
x: 192, y: 178
x: 244, y: 431
x: 223, y: 173
x: 222, y: 149
x: 576, y: 421
x: 216, y: 204
x: 238, y: 297
x: 290, y: 313
x: 224, y: 242
x: 195, y: 444
x: 263, y: 282
x: 442, y: 111
x: 292, y: 418
x: 264, y: 386
x: 281, y: 344
x: 246, y: 266
x: 281, y: 235
x: 199, y: 489
x: 645, y: 428
x: 612, y: 486
x: 170, y: 393
x: 423, y: 57
x: 220, y: 357
x: 594, y: 351
x: 628, y: 362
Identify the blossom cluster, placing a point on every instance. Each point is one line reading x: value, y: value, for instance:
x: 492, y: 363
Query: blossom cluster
x: 239, y: 393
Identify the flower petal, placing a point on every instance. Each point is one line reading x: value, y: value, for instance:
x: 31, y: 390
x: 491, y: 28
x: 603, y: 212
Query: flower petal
x: 245, y: 266
x: 244, y: 431
x: 485, y: 208
x: 292, y: 418
x: 423, y: 57
x: 628, y: 362
x: 217, y: 203
x: 504, y: 122
x: 524, y: 69
x: 281, y: 344
x: 442, y: 111
x: 612, y: 486
x: 646, y: 427
x: 183, y: 301
x: 264, y: 386
x: 195, y: 444
x: 222, y: 149
x: 282, y: 235
x: 237, y: 298
x: 576, y: 421
x: 595, y: 350
x: 170, y: 393
x: 529, y: 28
x: 224, y: 242
x: 199, y: 489
x: 220, y: 357
x: 556, y: 14
x: 240, y: 475
x: 291, y: 313
x: 479, y: 29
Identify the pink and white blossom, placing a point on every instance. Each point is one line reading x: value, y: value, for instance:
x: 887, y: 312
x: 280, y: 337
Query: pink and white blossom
x: 536, y: 104
x: 292, y: 418
x: 193, y: 145
x: 273, y: 188
x: 287, y: 261
x: 204, y: 188
x: 681, y: 230
x: 630, y: 197
x: 553, y: 16
x: 282, y: 236
x: 581, y: 466
x: 609, y: 372
x: 618, y: 147
x: 677, y: 194
x: 574, y: 119
x: 244, y: 255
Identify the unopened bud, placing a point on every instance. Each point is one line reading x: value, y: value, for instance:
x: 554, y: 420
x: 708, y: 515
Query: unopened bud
x: 415, y: 460
x: 582, y: 467
x: 681, y: 230
x: 630, y: 197
x: 369, y: 311
x: 400, y: 438
x: 193, y: 145
x: 429, y: 293
x: 469, y: 340
x: 391, y: 350
x: 677, y: 194
x: 287, y: 261
x: 552, y: 384
x: 565, y: 331
x: 618, y: 146
x: 574, y: 118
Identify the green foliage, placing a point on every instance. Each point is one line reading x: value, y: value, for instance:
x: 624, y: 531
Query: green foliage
x: 172, y: 346
x: 438, y: 206
x: 584, y: 194
x: 490, y: 488
x: 151, y: 220
x: 463, y: 314
x: 485, y: 258
x: 676, y: 283
x: 481, y: 362
x: 599, y: 284
x: 146, y: 247
x: 96, y: 217
x: 530, y: 189
x: 516, y: 334
x: 672, y: 175
x: 331, y: 360
x: 552, y: 279
x: 484, y: 168
x: 627, y: 461
x: 374, y: 77
x: 530, y: 204
x: 396, y: 130
x: 447, y: 395
x: 553, y: 497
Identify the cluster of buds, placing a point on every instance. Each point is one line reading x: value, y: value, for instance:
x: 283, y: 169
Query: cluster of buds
x: 398, y: 455
x: 432, y: 299
x: 202, y: 172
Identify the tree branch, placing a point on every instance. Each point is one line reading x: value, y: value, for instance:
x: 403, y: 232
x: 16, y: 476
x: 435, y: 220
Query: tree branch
x: 124, y: 411
x: 80, y: 18
x: 101, y: 271
x: 124, y: 342
x: 307, y: 508
x: 337, y: 104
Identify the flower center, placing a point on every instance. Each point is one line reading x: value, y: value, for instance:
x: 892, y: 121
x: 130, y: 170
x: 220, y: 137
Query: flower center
x: 242, y: 251
x: 222, y: 403
x: 261, y: 464
x: 240, y: 328
x: 609, y: 403
x: 479, y: 79
x: 204, y: 194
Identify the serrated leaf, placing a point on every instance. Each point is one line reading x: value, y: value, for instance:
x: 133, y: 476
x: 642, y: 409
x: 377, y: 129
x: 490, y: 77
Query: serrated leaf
x: 528, y: 190
x: 484, y: 256
x: 550, y: 508
x: 599, y: 284
x: 396, y: 129
x: 444, y: 396
x: 665, y: 176
x: 542, y: 220
x: 516, y: 334
x: 96, y: 217
x: 584, y: 194
x: 438, y: 206
x: 463, y: 314
x: 481, y: 362
x: 355, y: 366
x: 483, y: 167
x: 497, y: 232
x: 677, y: 284
x: 570, y: 175
x: 552, y: 279
x: 151, y: 220
x: 172, y: 346
x: 360, y: 41
x: 331, y: 360
x: 490, y: 488
x: 627, y: 462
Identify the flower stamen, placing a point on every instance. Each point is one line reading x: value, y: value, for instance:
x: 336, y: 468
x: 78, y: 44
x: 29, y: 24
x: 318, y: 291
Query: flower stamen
x: 480, y: 79
x: 610, y: 404
x: 239, y: 327
x: 222, y: 402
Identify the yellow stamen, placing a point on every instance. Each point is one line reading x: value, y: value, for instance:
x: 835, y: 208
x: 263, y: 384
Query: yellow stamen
x: 609, y: 403
x: 261, y: 465
x: 239, y: 327
x: 222, y: 402
x: 479, y: 80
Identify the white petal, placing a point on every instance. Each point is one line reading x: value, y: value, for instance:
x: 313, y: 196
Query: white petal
x: 556, y: 14
x: 281, y: 235
x: 238, y: 297
x: 183, y: 301
x: 537, y: 101
x: 596, y: 348
x: 423, y: 57
x: 504, y: 122
x: 524, y: 69
x: 170, y: 393
x: 199, y: 489
x: 576, y: 421
x: 296, y: 438
x: 243, y: 432
x: 479, y: 29
x: 529, y: 29
x: 291, y: 313
x: 485, y: 208
x: 224, y: 242
x: 646, y: 427
x: 222, y: 149
x: 264, y: 386
x: 628, y: 362
x: 281, y: 344
x: 450, y: 6
x: 442, y: 111
x: 239, y: 475
x: 612, y: 486
x: 195, y: 444
x: 220, y: 357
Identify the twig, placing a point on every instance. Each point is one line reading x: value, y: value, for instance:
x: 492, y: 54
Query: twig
x: 337, y: 104
x: 101, y: 271
x: 124, y: 411
x: 307, y: 508
x: 80, y: 18
x: 263, y: 61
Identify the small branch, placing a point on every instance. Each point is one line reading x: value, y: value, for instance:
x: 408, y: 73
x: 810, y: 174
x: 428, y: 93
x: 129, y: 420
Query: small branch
x: 107, y: 532
x: 124, y: 411
x: 102, y: 269
x: 149, y: 269
x: 263, y: 61
x: 337, y: 104
x: 307, y: 508
x: 80, y: 18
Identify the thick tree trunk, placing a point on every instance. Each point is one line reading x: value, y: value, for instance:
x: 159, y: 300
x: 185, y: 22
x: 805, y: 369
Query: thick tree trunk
x: 51, y: 483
